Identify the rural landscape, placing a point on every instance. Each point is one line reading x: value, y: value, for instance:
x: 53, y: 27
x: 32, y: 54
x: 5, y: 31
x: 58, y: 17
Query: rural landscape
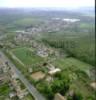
x: 47, y: 54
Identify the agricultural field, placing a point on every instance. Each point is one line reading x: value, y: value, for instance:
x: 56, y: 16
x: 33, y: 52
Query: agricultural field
x: 27, y: 56
x: 72, y: 63
x: 25, y: 22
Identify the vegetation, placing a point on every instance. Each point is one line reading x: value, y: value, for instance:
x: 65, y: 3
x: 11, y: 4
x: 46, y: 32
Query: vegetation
x: 75, y: 40
x: 23, y: 53
x: 4, y: 91
x: 28, y: 97
x: 59, y: 85
x: 73, y: 64
x: 81, y: 48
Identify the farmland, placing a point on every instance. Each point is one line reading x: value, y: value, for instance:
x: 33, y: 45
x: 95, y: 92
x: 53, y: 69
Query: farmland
x: 72, y: 63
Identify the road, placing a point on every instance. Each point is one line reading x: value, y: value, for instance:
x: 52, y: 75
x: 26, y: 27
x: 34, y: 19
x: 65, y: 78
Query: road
x: 29, y: 86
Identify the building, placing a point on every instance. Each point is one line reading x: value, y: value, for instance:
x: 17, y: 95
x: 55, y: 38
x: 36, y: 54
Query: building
x: 58, y: 96
x: 12, y: 94
x: 93, y: 85
x: 3, y: 72
x: 54, y: 71
x: 42, y: 53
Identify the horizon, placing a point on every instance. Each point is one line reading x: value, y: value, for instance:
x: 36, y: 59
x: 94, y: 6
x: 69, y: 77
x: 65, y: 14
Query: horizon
x: 49, y: 4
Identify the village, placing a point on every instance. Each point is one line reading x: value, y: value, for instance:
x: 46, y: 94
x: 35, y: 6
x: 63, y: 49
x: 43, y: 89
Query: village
x: 16, y: 88
x: 35, y: 70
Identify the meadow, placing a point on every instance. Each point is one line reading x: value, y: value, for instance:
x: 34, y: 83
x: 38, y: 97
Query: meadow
x: 26, y: 56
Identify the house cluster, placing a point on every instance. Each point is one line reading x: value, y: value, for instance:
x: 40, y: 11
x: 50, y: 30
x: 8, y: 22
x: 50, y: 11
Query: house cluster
x: 34, y: 30
x: 54, y: 25
x: 44, y: 51
x: 49, y: 76
x: 23, y: 37
x: 15, y: 84
x: 9, y: 75
x: 3, y: 72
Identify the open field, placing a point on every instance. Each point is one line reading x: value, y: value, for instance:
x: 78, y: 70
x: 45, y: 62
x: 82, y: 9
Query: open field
x: 27, y: 56
x: 27, y: 21
x: 74, y: 63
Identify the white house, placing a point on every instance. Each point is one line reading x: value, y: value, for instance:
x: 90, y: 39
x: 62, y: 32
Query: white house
x: 54, y: 71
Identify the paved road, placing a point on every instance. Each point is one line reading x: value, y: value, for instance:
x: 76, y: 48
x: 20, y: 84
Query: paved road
x: 29, y: 86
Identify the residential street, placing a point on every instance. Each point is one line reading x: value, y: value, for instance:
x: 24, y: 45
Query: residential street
x: 29, y: 86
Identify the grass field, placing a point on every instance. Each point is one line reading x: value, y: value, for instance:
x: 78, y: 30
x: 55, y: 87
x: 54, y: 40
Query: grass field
x: 72, y: 62
x: 27, y: 21
x: 27, y: 56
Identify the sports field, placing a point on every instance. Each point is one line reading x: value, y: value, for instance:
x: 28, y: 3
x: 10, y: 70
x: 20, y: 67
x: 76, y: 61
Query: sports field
x: 27, y: 56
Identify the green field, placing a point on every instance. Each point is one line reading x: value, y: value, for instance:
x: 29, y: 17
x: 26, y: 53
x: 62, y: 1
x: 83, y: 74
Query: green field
x: 27, y: 56
x: 72, y: 62
x: 27, y: 21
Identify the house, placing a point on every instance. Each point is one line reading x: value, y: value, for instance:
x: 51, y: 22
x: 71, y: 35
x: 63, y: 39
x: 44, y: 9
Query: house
x: 42, y: 53
x: 30, y: 70
x: 14, y: 76
x: 49, y: 79
x: 93, y: 85
x: 54, y: 71
x: 12, y: 94
x: 58, y: 96
x: 3, y: 78
x: 21, y: 93
x: 70, y: 93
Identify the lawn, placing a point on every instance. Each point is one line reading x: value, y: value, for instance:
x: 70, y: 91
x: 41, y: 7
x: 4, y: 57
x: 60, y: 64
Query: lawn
x: 27, y: 56
x: 72, y: 62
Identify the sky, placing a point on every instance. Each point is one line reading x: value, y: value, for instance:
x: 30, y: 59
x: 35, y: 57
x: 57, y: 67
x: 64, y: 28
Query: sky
x: 47, y: 3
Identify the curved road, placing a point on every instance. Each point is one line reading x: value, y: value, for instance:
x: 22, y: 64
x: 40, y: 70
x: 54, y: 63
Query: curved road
x: 29, y: 86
